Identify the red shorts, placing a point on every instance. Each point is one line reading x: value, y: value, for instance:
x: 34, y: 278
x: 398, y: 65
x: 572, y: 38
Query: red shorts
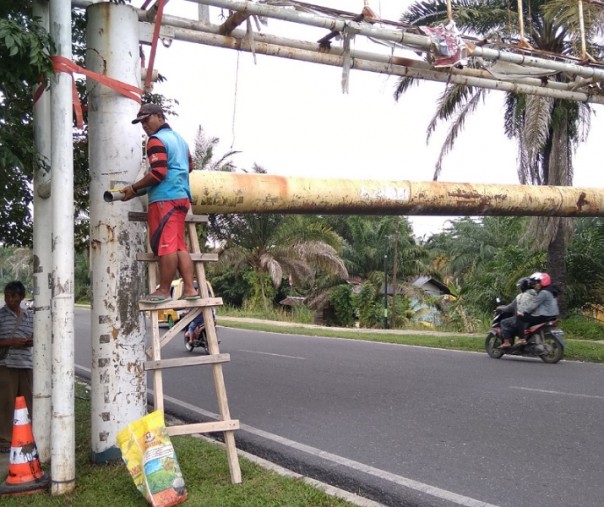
x: 166, y: 221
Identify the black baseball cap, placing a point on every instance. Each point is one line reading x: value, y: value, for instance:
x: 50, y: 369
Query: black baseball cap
x: 147, y: 110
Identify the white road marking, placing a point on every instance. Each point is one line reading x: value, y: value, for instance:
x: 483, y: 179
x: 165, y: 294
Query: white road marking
x: 269, y: 354
x: 355, y: 465
x: 578, y: 395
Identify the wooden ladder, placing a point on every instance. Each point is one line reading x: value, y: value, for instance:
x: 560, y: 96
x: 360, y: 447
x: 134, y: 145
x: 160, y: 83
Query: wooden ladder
x: 214, y: 358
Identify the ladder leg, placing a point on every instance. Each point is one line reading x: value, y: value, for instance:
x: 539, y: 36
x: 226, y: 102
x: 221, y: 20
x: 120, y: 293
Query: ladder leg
x: 221, y: 396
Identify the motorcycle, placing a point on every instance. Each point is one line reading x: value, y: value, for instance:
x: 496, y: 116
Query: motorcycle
x: 199, y: 335
x: 544, y: 340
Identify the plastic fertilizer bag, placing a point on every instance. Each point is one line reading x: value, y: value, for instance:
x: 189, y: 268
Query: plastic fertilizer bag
x: 151, y: 461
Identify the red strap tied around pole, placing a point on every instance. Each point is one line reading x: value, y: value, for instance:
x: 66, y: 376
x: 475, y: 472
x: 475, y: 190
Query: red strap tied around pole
x: 160, y: 12
x: 62, y: 64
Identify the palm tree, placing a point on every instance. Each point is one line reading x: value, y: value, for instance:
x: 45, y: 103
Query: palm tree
x: 203, y: 156
x: 585, y: 262
x: 277, y: 247
x: 370, y: 241
x: 547, y: 130
x: 485, y: 258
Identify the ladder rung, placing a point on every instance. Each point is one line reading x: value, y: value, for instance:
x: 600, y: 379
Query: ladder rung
x: 178, y: 304
x: 203, y: 257
x: 141, y: 216
x: 177, y: 362
x: 208, y: 427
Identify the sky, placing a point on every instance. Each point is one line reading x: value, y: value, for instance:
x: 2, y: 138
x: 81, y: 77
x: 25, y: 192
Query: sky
x: 292, y: 118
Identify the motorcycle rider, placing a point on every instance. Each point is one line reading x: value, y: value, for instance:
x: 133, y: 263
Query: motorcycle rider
x: 543, y: 308
x: 194, y: 329
x: 509, y: 325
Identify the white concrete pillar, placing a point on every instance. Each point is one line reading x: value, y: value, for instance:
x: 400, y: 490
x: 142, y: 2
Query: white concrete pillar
x: 115, y: 150
x: 42, y: 354
x: 63, y: 418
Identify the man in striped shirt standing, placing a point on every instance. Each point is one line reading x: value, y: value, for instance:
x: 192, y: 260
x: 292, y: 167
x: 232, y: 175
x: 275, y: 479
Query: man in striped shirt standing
x: 16, y: 365
x: 167, y: 181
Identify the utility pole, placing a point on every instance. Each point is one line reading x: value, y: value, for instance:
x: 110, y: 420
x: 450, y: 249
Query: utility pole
x: 397, y: 233
x: 386, y: 289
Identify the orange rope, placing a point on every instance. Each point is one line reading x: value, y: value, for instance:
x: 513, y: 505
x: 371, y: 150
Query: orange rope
x: 62, y: 64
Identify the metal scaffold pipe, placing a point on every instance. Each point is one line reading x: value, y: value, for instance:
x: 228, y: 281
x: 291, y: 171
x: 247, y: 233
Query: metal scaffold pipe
x: 195, y: 32
x: 220, y: 192
x: 203, y: 33
x: 397, y: 36
x: 395, y: 66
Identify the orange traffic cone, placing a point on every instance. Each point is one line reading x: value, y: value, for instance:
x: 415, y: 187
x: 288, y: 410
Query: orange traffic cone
x: 25, y: 475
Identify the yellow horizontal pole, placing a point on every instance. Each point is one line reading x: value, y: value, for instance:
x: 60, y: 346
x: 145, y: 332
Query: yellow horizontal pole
x: 223, y: 192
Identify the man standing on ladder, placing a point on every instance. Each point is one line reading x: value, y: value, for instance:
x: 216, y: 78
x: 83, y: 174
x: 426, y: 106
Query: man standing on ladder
x: 167, y: 183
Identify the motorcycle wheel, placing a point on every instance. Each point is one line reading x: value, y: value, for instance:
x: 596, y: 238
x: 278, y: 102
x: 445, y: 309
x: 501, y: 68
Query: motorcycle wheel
x: 491, y: 343
x: 188, y: 346
x: 553, y: 350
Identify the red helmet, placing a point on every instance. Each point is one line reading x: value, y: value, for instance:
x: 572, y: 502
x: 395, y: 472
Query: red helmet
x: 543, y: 278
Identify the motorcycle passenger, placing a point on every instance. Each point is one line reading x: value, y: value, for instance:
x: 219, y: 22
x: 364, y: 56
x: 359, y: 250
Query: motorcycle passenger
x: 543, y: 308
x: 523, y: 301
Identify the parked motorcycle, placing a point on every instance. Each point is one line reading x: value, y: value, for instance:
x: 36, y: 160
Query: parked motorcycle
x: 545, y: 341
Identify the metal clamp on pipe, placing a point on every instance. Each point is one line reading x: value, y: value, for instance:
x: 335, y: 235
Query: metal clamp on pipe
x: 114, y: 194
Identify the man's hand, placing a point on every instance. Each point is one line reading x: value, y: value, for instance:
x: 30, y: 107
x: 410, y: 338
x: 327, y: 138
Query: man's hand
x: 129, y: 193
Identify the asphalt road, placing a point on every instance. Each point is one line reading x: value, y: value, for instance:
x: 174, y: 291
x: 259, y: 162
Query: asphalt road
x: 405, y: 425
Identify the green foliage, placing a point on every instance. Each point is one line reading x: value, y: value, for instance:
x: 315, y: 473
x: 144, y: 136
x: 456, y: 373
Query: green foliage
x: 578, y: 326
x: 342, y: 302
x: 16, y: 264
x: 369, y: 305
x: 230, y: 285
x: 25, y: 49
x: 82, y: 282
x: 585, y: 263
x: 262, y: 292
x: 484, y: 259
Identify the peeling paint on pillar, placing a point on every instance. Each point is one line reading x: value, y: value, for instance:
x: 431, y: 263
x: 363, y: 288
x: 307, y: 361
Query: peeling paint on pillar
x: 118, y: 334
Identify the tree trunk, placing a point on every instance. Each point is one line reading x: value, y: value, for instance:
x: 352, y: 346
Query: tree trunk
x: 556, y: 253
x: 559, y: 172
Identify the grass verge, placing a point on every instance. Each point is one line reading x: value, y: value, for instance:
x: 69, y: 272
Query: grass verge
x: 205, y: 469
x: 577, y: 350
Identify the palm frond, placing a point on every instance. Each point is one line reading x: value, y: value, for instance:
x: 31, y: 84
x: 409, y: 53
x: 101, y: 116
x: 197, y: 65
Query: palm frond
x: 404, y: 83
x: 454, y: 98
x: 456, y: 128
x: 537, y: 124
x: 566, y: 14
x: 272, y: 267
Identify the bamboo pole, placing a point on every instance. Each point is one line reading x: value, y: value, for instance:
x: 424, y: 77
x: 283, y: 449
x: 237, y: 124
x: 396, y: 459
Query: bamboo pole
x: 520, y: 22
x: 582, y: 29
